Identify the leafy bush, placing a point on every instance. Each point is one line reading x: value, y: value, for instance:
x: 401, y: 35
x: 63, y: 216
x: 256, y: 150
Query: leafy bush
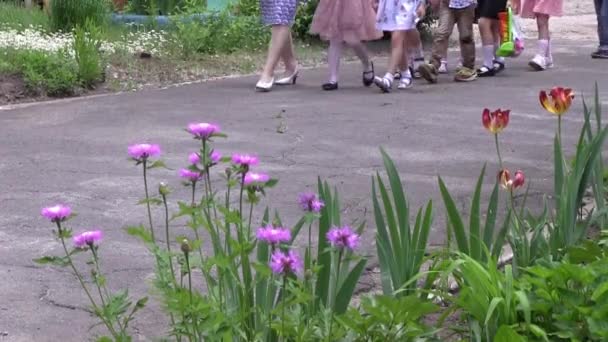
x: 220, y: 33
x: 248, y: 8
x: 53, y: 74
x: 569, y: 299
x: 86, y: 44
x: 67, y: 14
x: 301, y: 25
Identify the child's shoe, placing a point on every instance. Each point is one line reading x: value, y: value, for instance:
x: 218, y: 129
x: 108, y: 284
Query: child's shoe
x: 443, y: 68
x: 485, y: 71
x: 539, y: 63
x: 428, y: 72
x: 600, y: 54
x: 465, y: 75
x: 405, y: 82
x: 499, y: 66
x: 384, y: 83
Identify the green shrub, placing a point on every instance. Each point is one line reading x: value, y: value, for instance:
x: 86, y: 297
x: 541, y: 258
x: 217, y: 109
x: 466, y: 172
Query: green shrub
x: 301, y: 26
x: 165, y: 7
x: 249, y: 8
x: 15, y: 16
x: 54, y: 74
x: 67, y: 14
x: 86, y: 52
x: 219, y: 34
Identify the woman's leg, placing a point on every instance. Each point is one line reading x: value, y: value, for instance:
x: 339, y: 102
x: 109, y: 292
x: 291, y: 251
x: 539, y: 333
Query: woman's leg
x: 288, y: 56
x: 280, y: 36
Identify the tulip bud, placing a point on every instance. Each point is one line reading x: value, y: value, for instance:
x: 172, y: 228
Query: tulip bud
x: 519, y: 179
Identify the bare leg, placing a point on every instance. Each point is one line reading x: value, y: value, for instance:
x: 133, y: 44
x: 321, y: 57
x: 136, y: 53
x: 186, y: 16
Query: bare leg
x: 288, y: 56
x: 487, y: 30
x: 278, y: 40
x: 398, y: 55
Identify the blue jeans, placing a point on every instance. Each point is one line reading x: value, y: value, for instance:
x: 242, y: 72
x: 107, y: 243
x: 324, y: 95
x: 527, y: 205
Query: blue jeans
x: 601, y: 8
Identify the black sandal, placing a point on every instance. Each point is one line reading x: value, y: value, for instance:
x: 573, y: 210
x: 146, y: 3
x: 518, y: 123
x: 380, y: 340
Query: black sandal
x: 498, y: 66
x: 330, y: 86
x: 367, y: 80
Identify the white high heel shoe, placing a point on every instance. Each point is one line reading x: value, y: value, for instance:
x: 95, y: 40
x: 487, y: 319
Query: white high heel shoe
x: 289, y: 80
x: 264, y: 86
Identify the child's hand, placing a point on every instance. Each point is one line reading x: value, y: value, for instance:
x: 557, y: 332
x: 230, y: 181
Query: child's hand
x: 421, y: 11
x: 516, y: 6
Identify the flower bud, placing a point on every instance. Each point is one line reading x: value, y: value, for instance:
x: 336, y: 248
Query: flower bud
x: 228, y: 172
x: 163, y: 189
x: 186, y: 248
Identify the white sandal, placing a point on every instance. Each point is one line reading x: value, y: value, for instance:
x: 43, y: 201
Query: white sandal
x: 383, y: 83
x: 405, y: 82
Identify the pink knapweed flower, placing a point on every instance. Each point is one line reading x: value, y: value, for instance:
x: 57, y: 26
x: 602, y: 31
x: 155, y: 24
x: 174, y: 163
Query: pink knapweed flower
x: 192, y: 176
x: 258, y: 179
x: 194, y: 158
x: 273, y: 235
x: 343, y: 237
x: 310, y: 202
x: 215, y: 157
x: 88, y: 239
x: 203, y: 130
x: 143, y: 151
x: 57, y: 213
x: 286, y: 263
x: 244, y: 159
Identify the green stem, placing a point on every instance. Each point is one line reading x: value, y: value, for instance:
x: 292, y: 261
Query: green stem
x: 559, y: 129
x: 227, y: 232
x: 498, y: 151
x: 283, y: 307
x: 334, y: 294
x: 167, y: 238
x: 98, y: 285
x: 187, y: 257
x: 249, y: 223
x: 148, y: 200
x: 86, y: 290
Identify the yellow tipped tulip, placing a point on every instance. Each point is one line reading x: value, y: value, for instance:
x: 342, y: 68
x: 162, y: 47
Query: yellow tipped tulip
x: 558, y: 100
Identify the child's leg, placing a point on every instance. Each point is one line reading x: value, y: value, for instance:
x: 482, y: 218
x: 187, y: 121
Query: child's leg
x: 361, y: 52
x: 443, y: 33
x: 416, y: 52
x: 333, y: 60
x: 396, y: 58
x: 486, y: 31
x: 464, y: 21
x: 544, y: 39
x: 496, y: 30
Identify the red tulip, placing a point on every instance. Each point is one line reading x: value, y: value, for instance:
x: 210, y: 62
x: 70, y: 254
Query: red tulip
x: 504, y: 177
x: 558, y: 100
x: 495, y: 121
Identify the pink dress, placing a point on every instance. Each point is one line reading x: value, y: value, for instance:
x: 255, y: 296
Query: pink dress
x: 552, y: 8
x: 351, y: 21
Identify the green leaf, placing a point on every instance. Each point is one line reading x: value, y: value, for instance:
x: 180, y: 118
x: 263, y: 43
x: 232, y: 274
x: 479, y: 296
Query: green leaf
x: 489, y: 234
x: 153, y: 200
x: 105, y: 339
x: 271, y: 183
x: 140, y: 232
x: 493, y: 305
x: 507, y: 334
x: 348, y: 287
x: 53, y: 260
x: 454, y: 219
x: 558, y: 169
x: 158, y: 164
x: 476, y: 248
x: 600, y: 291
x: 141, y: 303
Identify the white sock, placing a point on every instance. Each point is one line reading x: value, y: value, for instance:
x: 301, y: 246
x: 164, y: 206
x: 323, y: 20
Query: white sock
x: 488, y: 56
x: 406, y: 73
x: 543, y: 47
x: 333, y: 60
x: 549, y: 54
x: 498, y: 58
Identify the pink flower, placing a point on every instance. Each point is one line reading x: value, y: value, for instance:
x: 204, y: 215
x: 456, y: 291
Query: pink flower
x: 88, y: 239
x: 57, y: 213
x: 252, y: 178
x: 143, y: 151
x: 215, y: 157
x: 286, y: 263
x: 244, y: 159
x: 192, y: 176
x: 309, y: 202
x: 203, y: 130
x: 194, y: 158
x: 343, y: 237
x: 273, y: 235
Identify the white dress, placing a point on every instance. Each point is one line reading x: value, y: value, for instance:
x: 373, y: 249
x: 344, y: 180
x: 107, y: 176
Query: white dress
x: 396, y: 15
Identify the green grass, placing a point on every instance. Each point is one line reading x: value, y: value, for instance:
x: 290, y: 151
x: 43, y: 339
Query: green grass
x: 17, y: 17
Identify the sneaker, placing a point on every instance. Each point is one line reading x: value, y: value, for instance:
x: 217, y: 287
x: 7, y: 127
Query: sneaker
x: 485, y: 71
x: 600, y: 54
x: 428, y: 72
x: 405, y: 83
x: 539, y: 63
x: 465, y: 75
x: 443, y: 68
